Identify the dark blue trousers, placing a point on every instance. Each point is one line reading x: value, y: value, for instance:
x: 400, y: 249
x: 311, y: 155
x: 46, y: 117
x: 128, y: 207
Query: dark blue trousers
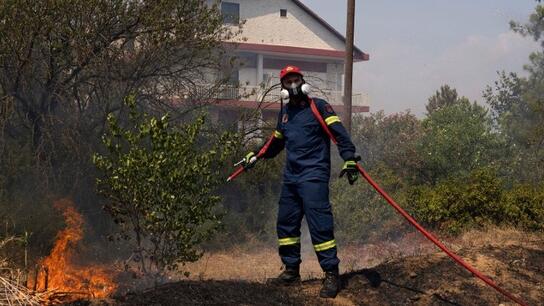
x: 310, y: 199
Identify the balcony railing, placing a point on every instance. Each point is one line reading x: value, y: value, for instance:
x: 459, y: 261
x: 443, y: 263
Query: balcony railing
x: 254, y: 93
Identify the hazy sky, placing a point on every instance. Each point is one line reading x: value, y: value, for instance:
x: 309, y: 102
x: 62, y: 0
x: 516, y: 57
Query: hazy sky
x: 416, y: 46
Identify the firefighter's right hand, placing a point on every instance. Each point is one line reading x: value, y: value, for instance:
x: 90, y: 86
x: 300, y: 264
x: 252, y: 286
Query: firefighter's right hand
x: 249, y: 160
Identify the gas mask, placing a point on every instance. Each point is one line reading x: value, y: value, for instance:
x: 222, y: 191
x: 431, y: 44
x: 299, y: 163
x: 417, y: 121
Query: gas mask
x: 295, y: 92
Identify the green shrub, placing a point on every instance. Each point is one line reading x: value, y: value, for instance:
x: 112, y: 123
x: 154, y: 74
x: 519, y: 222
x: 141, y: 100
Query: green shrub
x: 524, y: 206
x: 160, y: 184
x: 477, y: 199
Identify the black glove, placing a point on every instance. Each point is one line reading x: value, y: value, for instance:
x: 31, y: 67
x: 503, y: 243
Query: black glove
x: 249, y: 161
x: 350, y: 169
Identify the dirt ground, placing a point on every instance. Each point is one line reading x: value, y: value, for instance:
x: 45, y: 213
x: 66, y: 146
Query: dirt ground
x: 514, y: 260
x: 258, y: 262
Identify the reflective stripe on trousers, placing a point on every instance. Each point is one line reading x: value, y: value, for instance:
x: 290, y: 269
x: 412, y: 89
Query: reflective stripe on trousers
x: 310, y: 199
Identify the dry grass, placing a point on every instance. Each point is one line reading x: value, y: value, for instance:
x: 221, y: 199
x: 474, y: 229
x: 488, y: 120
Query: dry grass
x: 503, y: 236
x: 423, y: 276
x: 259, y: 262
x: 14, y: 292
x: 504, y: 258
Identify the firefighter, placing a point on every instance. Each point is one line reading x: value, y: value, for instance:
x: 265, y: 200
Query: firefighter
x: 305, y: 188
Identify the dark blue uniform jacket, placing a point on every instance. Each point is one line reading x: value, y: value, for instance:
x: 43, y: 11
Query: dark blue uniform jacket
x: 307, y: 144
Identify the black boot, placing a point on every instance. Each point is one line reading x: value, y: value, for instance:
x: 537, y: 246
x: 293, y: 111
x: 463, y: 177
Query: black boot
x: 331, y: 284
x: 289, y: 276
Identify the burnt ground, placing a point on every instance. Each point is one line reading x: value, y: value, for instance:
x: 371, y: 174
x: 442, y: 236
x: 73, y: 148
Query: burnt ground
x: 432, y: 279
x: 436, y: 280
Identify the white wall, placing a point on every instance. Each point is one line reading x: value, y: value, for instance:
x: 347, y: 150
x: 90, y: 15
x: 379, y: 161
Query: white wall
x: 265, y: 26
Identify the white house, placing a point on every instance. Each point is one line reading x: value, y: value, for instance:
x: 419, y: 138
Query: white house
x: 276, y: 33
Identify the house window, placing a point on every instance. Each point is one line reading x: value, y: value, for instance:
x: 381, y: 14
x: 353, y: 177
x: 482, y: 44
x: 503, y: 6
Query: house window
x: 230, y: 12
x: 283, y: 13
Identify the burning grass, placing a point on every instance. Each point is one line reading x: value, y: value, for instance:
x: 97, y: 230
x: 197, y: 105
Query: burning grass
x: 60, y: 275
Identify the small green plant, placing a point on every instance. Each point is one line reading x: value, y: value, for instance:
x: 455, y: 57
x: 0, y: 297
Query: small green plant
x: 160, y: 183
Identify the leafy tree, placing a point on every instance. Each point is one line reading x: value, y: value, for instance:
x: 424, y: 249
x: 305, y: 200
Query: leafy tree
x: 457, y: 139
x: 513, y: 119
x: 518, y: 108
x: 533, y: 85
x: 505, y: 99
x: 534, y: 97
x: 160, y: 181
x: 67, y: 64
x: 534, y: 27
x: 444, y: 97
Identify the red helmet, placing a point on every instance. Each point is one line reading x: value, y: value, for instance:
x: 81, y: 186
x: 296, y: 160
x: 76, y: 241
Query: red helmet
x: 290, y: 69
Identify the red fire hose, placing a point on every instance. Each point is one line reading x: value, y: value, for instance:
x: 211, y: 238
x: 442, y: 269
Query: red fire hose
x: 407, y: 216
x: 436, y: 241
x: 235, y: 173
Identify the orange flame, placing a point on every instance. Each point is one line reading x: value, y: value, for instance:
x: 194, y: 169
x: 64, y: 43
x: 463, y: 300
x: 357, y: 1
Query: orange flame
x: 61, y: 273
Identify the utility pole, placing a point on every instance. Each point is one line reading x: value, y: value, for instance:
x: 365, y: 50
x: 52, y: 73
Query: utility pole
x: 348, y: 65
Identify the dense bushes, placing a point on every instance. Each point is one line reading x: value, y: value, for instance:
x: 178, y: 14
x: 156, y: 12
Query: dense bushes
x: 525, y: 206
x: 477, y: 199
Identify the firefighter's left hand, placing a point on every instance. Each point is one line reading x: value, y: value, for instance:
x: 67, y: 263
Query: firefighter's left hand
x: 350, y: 170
